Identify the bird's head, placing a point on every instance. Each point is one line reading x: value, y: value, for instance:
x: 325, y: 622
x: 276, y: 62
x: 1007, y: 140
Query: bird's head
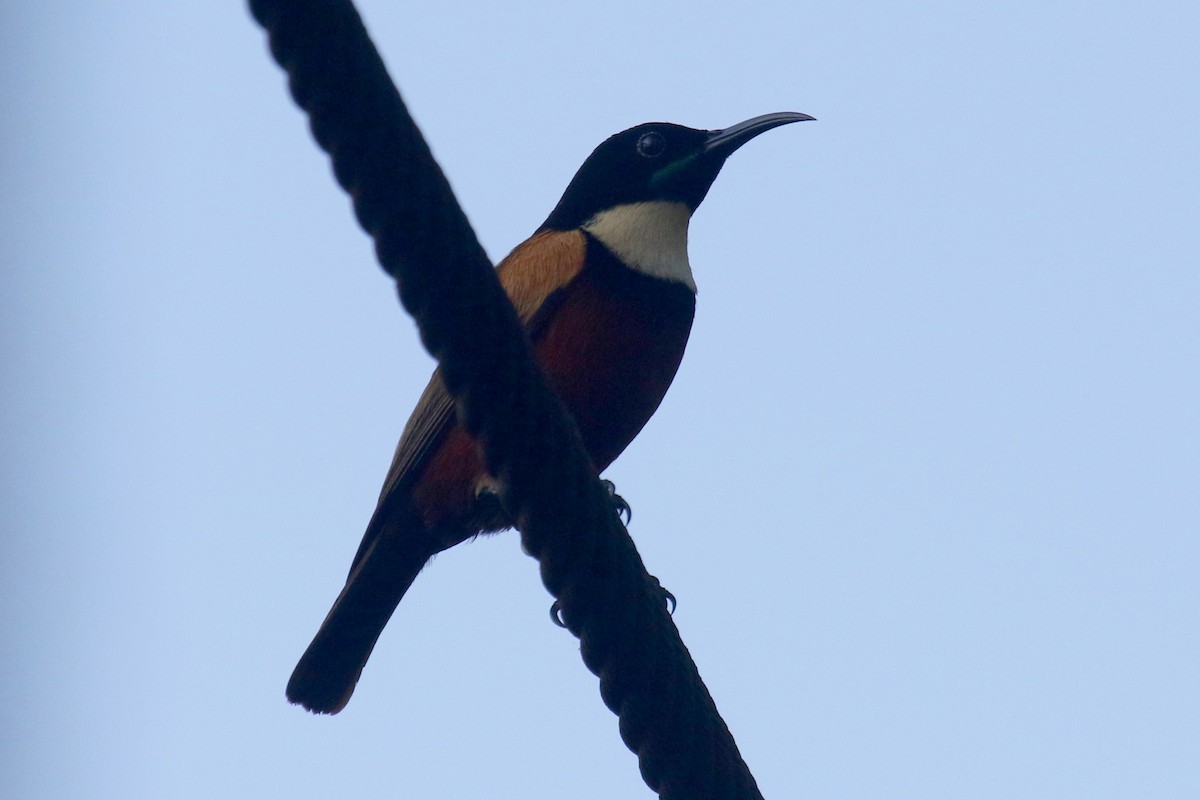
x: 654, y: 162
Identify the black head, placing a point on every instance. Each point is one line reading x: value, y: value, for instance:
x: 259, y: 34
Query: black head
x: 654, y: 161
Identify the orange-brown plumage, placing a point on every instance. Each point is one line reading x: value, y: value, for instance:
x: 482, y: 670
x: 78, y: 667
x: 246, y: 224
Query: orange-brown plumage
x: 542, y: 264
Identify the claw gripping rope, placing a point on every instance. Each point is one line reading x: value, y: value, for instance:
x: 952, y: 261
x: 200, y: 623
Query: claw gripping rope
x: 566, y: 517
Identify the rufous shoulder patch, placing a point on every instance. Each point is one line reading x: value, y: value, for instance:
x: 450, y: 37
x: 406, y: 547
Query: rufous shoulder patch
x: 544, y: 263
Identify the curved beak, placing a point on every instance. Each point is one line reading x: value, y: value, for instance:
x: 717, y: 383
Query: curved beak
x: 723, y: 142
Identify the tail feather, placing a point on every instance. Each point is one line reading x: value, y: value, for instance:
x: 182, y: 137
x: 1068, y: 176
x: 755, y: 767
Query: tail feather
x: 329, y: 669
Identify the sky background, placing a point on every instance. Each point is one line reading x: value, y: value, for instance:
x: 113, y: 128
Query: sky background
x: 927, y: 486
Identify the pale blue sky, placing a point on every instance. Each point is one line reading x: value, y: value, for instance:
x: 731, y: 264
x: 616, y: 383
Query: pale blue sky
x: 927, y: 487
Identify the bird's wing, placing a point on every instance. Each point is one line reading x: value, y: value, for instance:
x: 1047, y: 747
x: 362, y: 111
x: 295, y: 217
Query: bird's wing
x: 430, y: 419
x: 533, y: 276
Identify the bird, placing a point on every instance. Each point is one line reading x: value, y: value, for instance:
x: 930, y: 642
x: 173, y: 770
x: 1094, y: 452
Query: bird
x: 606, y: 293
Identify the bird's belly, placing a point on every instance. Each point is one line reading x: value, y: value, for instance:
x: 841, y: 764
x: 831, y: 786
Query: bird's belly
x: 611, y: 352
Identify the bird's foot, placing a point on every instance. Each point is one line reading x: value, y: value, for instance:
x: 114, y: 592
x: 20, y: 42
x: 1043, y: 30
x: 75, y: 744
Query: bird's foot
x: 556, y: 614
x: 623, y: 508
x: 668, y: 600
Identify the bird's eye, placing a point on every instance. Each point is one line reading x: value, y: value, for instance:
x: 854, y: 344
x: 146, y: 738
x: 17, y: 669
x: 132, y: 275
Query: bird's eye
x: 651, y: 145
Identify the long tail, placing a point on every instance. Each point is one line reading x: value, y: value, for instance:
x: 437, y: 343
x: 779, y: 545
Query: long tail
x: 329, y: 669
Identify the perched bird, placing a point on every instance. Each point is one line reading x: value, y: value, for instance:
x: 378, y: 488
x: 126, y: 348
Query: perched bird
x: 606, y: 293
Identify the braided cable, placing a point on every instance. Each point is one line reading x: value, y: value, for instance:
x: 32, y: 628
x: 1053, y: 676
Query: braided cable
x: 566, y: 517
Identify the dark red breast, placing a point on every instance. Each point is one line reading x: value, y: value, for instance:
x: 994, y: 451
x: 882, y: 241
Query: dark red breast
x: 611, y: 347
x: 609, y: 339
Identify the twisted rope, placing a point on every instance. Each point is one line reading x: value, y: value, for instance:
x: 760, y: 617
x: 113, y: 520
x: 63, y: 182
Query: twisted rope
x: 566, y: 517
